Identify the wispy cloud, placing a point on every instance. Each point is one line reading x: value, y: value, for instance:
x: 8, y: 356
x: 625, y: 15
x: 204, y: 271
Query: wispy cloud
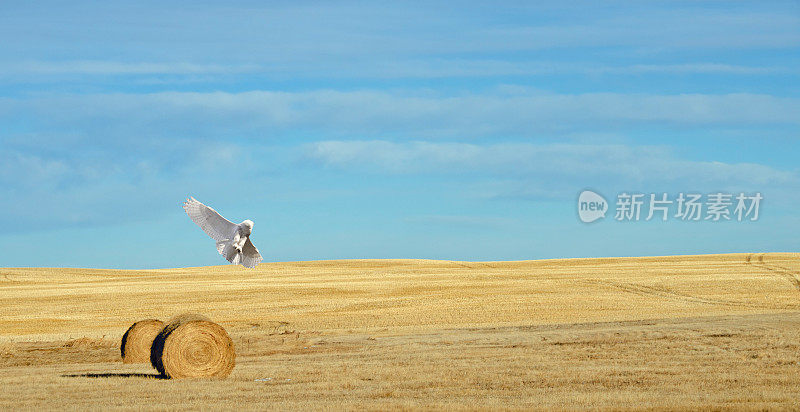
x: 357, y: 40
x: 395, y: 69
x: 385, y: 113
x: 480, y: 67
x: 81, y: 150
x: 347, y: 27
x: 550, y: 170
x: 688, y: 68
x: 100, y: 67
x: 51, y: 187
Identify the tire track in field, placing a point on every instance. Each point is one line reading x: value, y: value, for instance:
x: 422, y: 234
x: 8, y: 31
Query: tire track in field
x: 475, y: 265
x: 462, y: 264
x: 792, y: 274
x: 665, y: 293
x: 784, y: 272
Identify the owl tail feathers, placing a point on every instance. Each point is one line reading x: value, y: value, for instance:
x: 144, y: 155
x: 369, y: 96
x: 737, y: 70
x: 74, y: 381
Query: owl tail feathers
x: 236, y: 258
x: 229, y: 252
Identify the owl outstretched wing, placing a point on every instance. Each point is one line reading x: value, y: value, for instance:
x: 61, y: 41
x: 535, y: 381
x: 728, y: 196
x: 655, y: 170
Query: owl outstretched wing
x: 209, y: 220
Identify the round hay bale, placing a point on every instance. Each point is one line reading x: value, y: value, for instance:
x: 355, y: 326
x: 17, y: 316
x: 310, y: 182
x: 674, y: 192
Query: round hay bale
x: 138, y: 339
x: 192, y: 346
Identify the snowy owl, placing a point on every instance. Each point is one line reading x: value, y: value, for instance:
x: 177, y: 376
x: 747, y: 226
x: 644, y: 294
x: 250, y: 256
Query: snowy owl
x: 233, y: 241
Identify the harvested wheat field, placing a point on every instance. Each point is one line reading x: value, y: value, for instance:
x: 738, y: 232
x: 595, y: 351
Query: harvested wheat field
x: 718, y: 331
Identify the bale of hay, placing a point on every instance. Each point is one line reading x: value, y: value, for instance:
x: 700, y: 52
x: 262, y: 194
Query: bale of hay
x: 192, y: 346
x: 138, y: 339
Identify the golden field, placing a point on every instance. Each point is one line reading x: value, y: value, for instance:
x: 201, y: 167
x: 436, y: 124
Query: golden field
x: 678, y: 332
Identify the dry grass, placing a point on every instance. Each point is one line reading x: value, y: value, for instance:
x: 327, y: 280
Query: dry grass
x: 674, y: 332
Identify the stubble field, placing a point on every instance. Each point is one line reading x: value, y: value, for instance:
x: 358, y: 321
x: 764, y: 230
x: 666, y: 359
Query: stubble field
x: 720, y: 331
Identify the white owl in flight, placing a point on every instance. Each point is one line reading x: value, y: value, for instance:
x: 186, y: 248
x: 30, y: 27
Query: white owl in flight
x: 233, y: 241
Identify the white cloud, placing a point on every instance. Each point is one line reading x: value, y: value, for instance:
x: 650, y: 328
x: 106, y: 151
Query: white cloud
x: 400, y: 68
x: 397, y: 113
x: 101, y: 67
x: 478, y: 67
x: 389, y: 40
x: 716, y: 68
x: 19, y: 169
x: 46, y: 186
x: 550, y: 170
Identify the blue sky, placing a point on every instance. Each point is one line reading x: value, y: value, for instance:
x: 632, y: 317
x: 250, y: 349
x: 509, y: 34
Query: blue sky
x: 390, y: 130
